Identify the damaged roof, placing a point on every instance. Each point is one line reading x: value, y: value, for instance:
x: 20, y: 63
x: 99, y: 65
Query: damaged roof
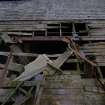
x: 51, y: 9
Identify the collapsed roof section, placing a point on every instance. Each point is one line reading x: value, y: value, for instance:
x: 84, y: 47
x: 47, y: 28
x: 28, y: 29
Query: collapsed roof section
x: 28, y: 54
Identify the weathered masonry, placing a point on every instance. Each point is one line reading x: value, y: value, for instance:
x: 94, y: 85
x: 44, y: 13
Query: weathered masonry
x: 52, y: 52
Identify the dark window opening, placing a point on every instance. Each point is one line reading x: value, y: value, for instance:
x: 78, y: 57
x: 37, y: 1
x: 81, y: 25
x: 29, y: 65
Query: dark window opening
x: 31, y: 58
x: 3, y: 59
x: 72, y: 56
x: 4, y: 47
x: 20, y: 33
x: 39, y: 33
x: 12, y: 74
x: 103, y: 71
x: 81, y: 66
x: 53, y: 32
x: 91, y: 58
x: 80, y: 26
x: 66, y: 29
x: 69, y: 66
x: 47, y: 47
x: 53, y: 58
x: 81, y: 29
x: 53, y: 25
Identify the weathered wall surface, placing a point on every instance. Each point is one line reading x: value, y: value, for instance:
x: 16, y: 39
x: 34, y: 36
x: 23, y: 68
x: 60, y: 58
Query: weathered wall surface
x: 52, y: 9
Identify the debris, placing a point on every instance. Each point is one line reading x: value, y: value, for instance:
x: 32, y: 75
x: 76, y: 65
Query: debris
x: 6, y: 38
x: 34, y: 68
x: 40, y: 64
x: 40, y: 77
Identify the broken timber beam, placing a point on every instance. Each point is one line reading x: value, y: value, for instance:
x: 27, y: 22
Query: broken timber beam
x: 14, y: 67
x: 6, y: 68
x: 62, y: 58
x: 13, y: 84
x: 6, y: 38
x: 40, y: 65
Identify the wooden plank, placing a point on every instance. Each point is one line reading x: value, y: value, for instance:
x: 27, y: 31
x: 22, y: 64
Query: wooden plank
x: 11, y: 94
x: 25, y: 54
x: 14, y: 67
x: 58, y: 38
x: 19, y: 33
x: 92, y: 46
x: 18, y: 26
x: 93, y: 50
x: 72, y: 91
x: 93, y: 38
x: 13, y: 84
x: 39, y: 96
x: 96, y: 25
x: 96, y: 32
x: 35, y: 55
x: 38, y: 93
x: 19, y: 54
x: 22, y: 100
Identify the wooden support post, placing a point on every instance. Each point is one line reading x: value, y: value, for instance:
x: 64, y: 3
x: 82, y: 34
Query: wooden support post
x: 6, y: 67
x: 60, y: 30
x: 39, y: 96
x: 38, y: 93
x: 100, y: 73
x: 78, y: 67
x: 12, y: 93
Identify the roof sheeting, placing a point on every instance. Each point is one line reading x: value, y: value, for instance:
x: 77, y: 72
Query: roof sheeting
x: 52, y: 9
